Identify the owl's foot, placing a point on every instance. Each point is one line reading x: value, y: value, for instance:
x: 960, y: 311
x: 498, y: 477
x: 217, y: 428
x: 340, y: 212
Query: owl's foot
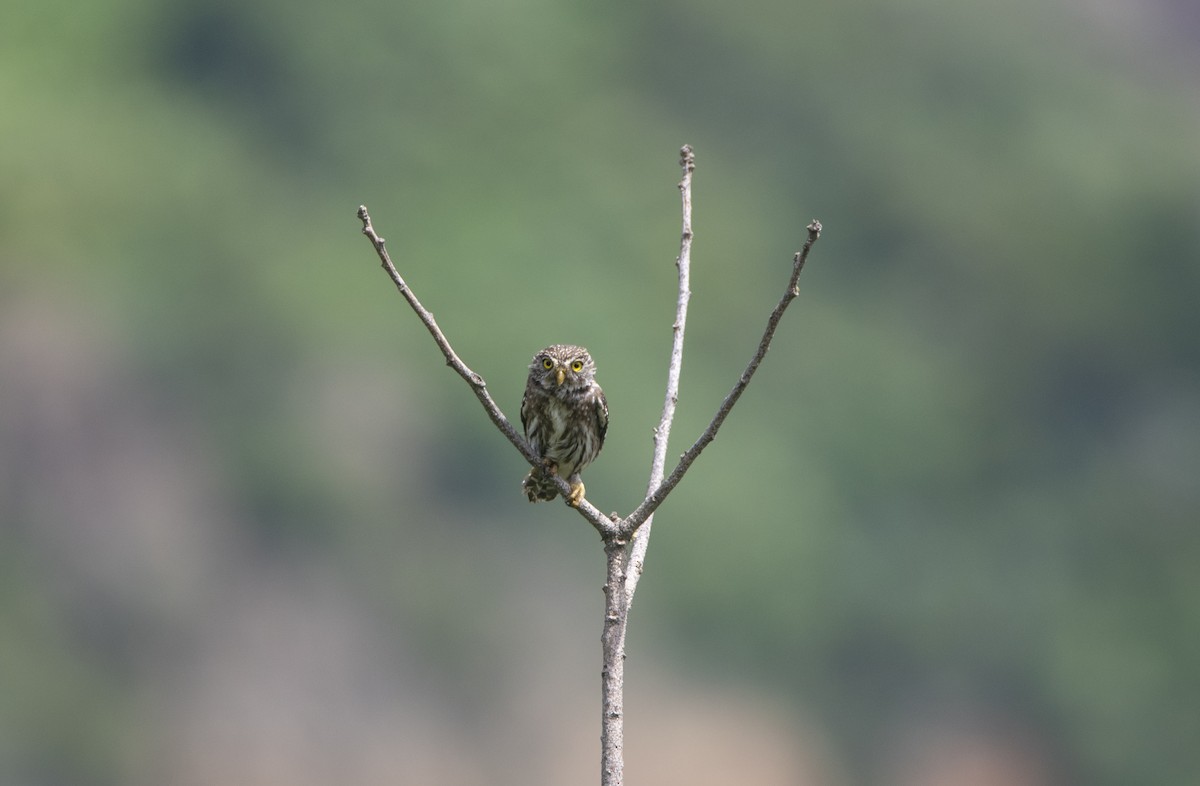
x: 576, y: 492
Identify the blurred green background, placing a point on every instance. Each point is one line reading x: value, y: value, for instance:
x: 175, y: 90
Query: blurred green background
x: 253, y: 531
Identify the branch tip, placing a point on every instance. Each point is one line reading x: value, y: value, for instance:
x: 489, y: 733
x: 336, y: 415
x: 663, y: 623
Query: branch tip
x: 687, y: 158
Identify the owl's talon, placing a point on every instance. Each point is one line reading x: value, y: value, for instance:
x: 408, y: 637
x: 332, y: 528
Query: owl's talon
x: 576, y: 494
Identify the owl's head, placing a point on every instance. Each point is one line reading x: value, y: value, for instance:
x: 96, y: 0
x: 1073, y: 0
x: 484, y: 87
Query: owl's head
x: 562, y: 366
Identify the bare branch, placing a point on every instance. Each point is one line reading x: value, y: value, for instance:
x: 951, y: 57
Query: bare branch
x: 687, y: 160
x: 625, y: 540
x: 656, y: 497
x: 641, y: 538
x: 612, y: 670
x: 625, y: 560
x: 603, y: 524
x: 474, y: 380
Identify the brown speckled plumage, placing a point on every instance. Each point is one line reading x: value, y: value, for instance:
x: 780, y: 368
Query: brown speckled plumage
x: 565, y: 417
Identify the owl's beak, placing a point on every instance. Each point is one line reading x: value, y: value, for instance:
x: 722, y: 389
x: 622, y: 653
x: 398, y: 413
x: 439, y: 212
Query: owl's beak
x: 560, y: 375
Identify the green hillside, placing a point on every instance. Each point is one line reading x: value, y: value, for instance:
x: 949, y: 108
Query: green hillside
x: 254, y: 531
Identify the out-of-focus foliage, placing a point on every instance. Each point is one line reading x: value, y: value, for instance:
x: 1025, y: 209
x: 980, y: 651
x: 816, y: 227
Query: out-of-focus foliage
x: 254, y: 532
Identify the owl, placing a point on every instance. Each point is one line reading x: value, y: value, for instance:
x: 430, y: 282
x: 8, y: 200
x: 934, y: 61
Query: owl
x: 565, y: 416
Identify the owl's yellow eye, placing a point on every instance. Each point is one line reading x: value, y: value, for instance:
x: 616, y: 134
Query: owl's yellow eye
x: 547, y: 363
x: 577, y: 366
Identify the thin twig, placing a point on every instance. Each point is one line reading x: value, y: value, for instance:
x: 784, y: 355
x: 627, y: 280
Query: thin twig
x: 687, y: 160
x: 656, y: 497
x: 603, y: 524
x: 662, y: 434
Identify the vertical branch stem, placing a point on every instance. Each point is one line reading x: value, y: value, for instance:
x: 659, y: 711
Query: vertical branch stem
x: 624, y: 558
x: 641, y: 536
x: 612, y: 674
x: 687, y: 160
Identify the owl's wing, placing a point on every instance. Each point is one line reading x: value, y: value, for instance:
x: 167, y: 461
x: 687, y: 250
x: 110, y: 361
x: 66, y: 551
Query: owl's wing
x: 601, y: 407
x: 527, y: 405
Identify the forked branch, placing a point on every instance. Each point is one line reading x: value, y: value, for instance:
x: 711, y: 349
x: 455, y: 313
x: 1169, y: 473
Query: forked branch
x: 625, y: 540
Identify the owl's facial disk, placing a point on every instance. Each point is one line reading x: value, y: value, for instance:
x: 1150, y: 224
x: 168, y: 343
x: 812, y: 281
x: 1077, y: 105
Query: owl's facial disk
x: 555, y: 366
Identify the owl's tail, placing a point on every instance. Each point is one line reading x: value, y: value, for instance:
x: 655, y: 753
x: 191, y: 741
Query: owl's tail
x: 539, y: 485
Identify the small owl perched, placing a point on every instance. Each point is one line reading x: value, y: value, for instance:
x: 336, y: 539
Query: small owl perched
x: 565, y: 416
